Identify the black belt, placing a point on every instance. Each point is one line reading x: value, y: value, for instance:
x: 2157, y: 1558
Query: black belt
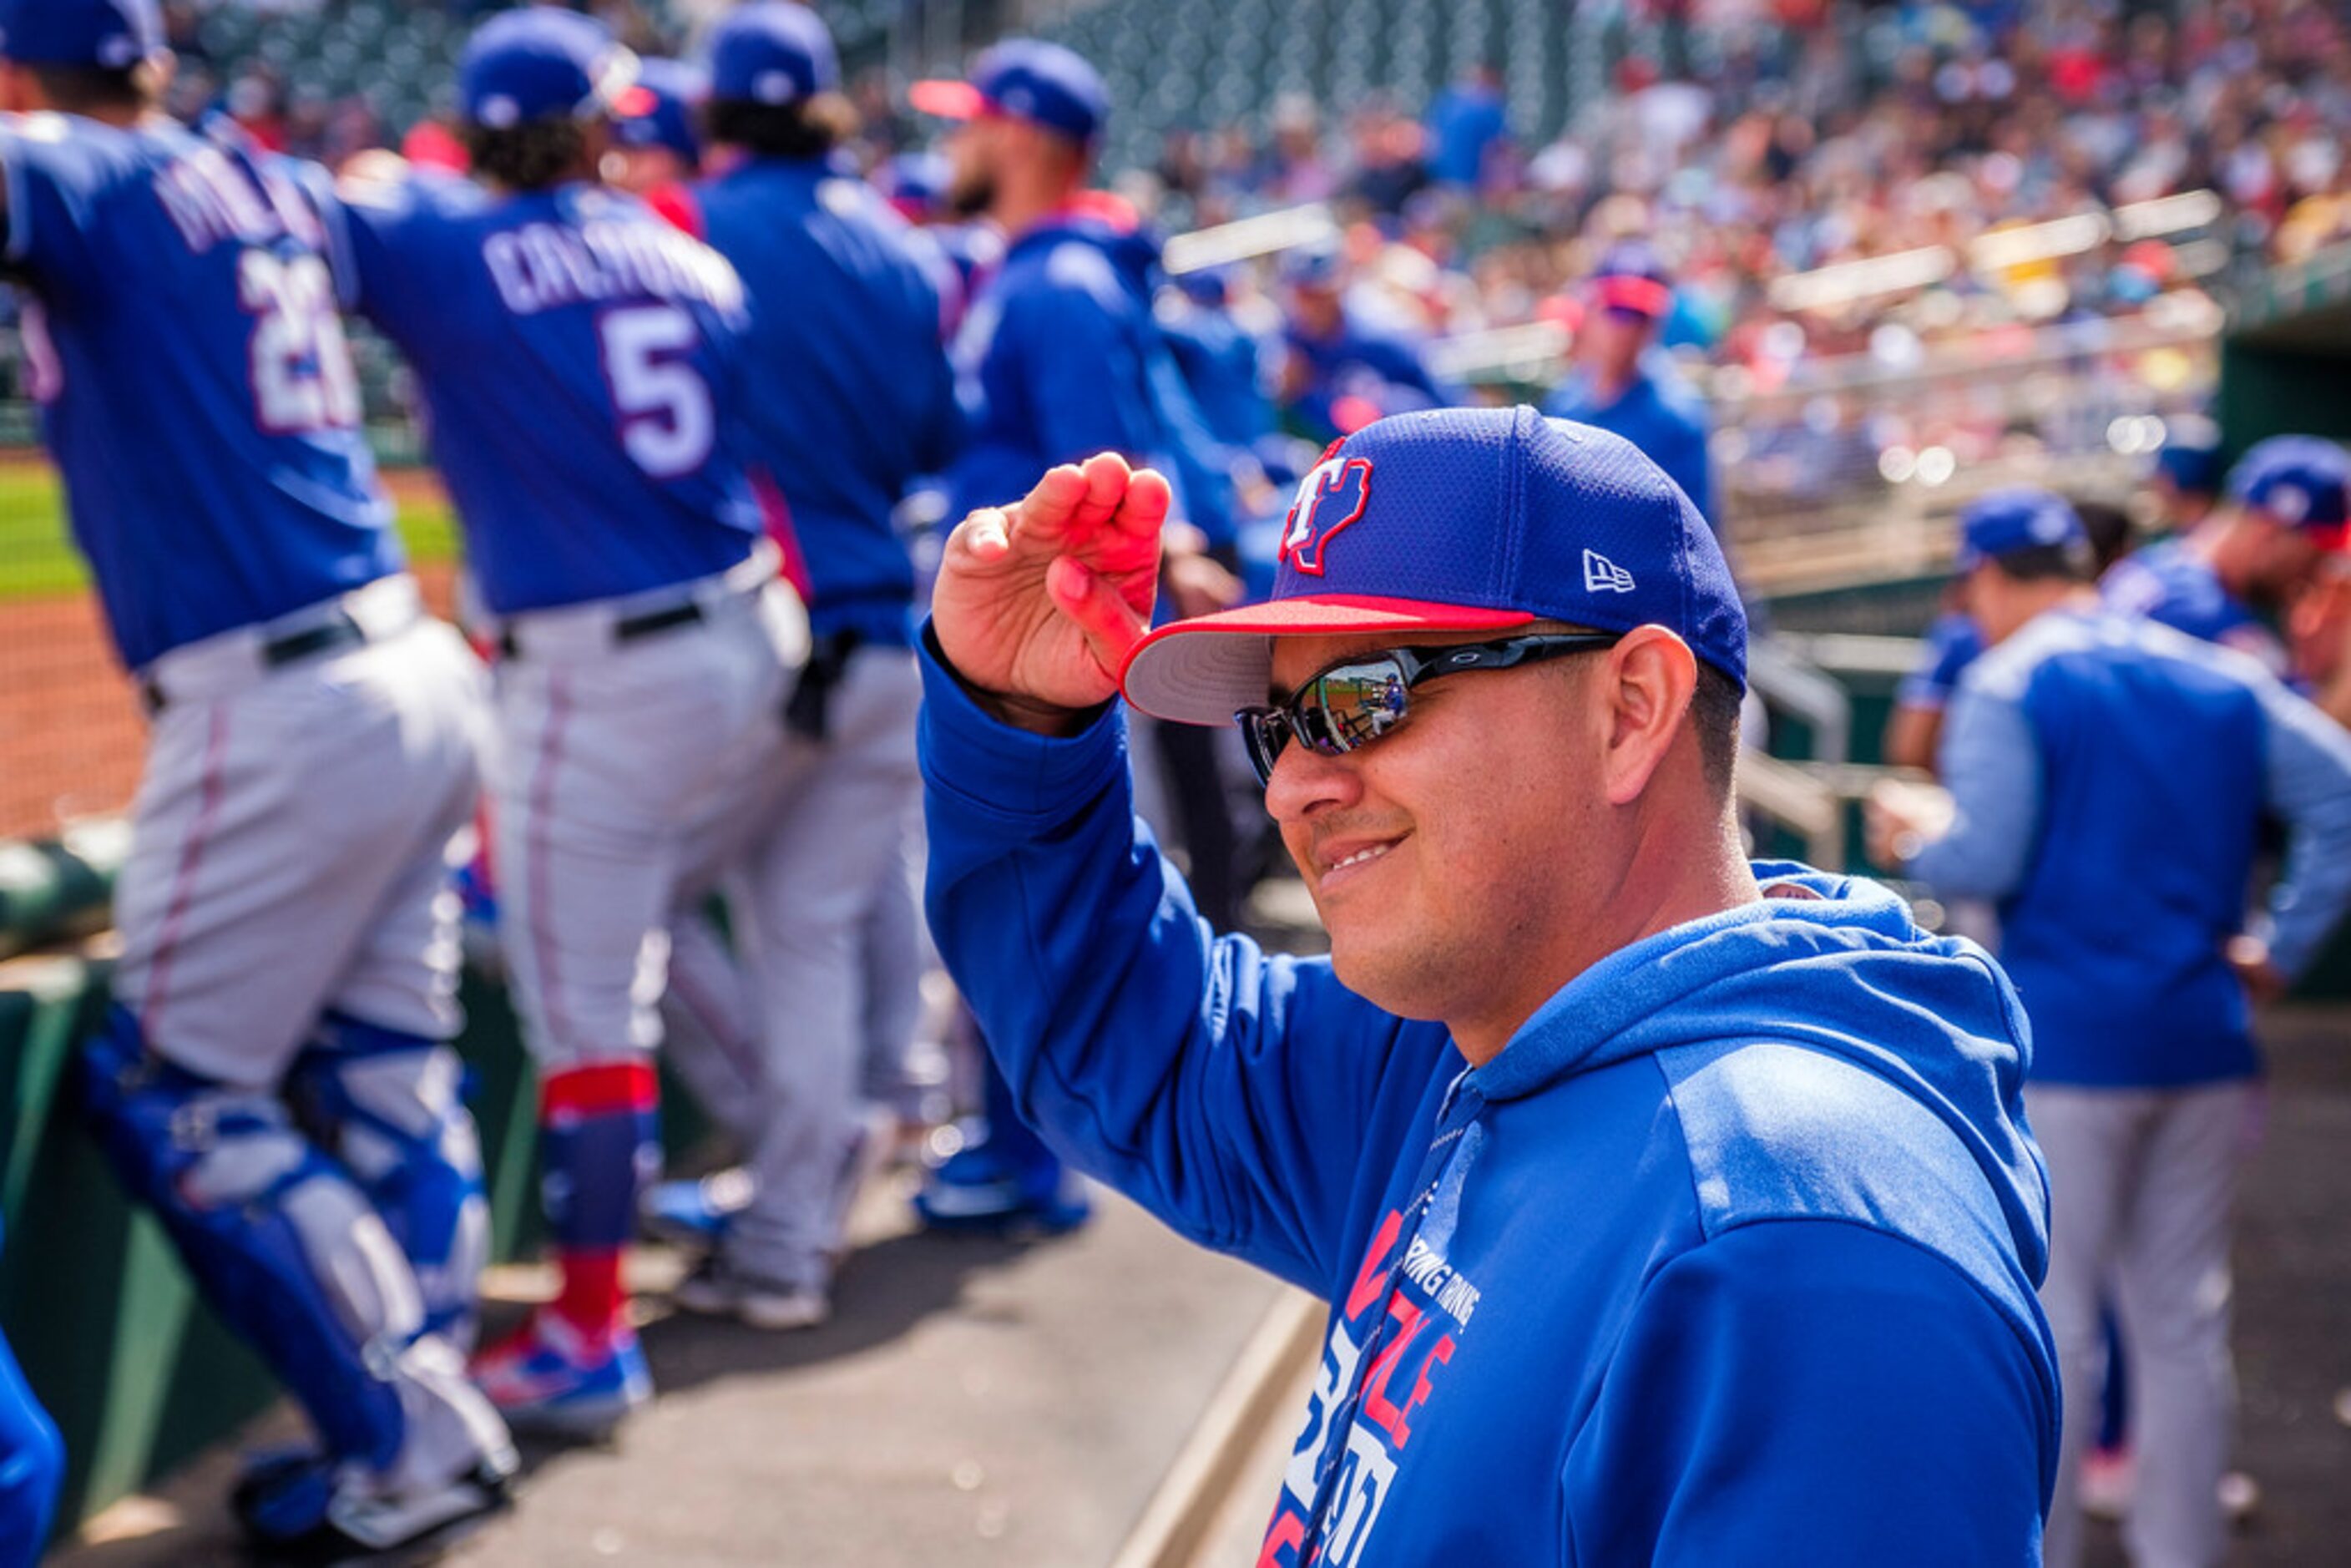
x: 337, y: 631
x: 628, y: 629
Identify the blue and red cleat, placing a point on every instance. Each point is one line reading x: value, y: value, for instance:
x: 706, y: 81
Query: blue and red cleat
x: 549, y: 1377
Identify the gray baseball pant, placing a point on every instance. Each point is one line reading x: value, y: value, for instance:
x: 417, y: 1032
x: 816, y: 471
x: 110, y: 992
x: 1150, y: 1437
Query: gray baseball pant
x: 2141, y: 1184
x: 836, y: 829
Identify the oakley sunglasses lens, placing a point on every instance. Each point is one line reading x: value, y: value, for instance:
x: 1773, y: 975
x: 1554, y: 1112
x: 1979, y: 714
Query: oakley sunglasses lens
x: 1351, y: 704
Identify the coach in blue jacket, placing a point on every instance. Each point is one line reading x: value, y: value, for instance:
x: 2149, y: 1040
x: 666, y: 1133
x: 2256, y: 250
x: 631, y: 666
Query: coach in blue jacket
x: 1670, y: 1210
x: 2108, y: 777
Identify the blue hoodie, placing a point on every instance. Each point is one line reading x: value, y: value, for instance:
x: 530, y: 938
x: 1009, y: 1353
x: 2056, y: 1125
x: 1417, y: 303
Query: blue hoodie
x: 1061, y: 357
x: 1728, y: 1258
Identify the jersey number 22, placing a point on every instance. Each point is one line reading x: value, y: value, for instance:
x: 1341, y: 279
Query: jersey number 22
x: 302, y: 377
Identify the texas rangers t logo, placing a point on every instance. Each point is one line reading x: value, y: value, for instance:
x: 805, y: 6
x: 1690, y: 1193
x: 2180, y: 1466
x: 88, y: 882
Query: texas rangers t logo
x: 1334, y: 495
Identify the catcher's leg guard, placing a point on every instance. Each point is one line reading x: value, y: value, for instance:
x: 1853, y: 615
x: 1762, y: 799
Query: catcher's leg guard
x: 292, y: 1255
x: 388, y: 1106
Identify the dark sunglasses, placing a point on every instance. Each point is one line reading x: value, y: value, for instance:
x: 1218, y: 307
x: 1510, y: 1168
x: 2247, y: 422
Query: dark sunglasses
x: 1357, y: 700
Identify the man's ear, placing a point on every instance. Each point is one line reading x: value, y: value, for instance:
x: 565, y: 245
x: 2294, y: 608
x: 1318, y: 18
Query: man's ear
x: 1648, y: 680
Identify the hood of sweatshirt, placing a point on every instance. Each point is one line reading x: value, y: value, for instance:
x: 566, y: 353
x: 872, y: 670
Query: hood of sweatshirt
x: 1832, y: 963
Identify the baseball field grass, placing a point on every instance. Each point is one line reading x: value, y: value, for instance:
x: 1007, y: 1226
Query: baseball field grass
x: 38, y: 560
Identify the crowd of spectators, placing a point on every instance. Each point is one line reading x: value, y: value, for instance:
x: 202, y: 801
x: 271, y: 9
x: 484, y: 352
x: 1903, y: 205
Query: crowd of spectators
x: 1923, y: 154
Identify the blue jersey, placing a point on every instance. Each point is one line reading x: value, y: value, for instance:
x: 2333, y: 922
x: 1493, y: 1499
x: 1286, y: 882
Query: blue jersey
x: 194, y: 385
x: 1362, y: 362
x: 578, y: 358
x: 2109, y: 779
x: 1058, y: 358
x: 1658, y: 412
x: 1224, y: 367
x: 2170, y: 583
x: 850, y: 393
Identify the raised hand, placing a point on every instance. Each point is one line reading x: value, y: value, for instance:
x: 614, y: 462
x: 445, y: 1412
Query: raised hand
x: 1037, y: 604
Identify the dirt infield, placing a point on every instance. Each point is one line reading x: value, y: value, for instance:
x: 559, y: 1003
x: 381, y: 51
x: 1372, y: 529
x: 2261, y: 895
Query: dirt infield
x: 71, y: 731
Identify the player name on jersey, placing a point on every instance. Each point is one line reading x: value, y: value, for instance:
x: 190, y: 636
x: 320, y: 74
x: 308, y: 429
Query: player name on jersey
x: 541, y: 267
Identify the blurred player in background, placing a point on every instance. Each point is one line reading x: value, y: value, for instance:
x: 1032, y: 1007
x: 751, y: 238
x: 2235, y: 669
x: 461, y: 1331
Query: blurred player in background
x: 2106, y: 783
x: 275, y: 1078
x: 1913, y: 729
x: 2288, y: 505
x: 579, y: 359
x: 1622, y: 384
x: 1221, y: 360
x: 2188, y: 476
x: 1058, y: 357
x: 847, y: 398
x: 656, y: 141
x: 1341, y: 369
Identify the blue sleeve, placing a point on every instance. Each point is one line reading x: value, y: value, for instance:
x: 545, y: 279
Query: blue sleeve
x: 1952, y: 643
x: 373, y: 229
x: 1811, y: 1391
x: 1991, y: 763
x: 1235, y: 1095
x: 46, y: 243
x: 2306, y: 765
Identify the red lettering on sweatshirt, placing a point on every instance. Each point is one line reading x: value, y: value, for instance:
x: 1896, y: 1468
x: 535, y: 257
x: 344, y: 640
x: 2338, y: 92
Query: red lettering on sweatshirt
x: 1377, y: 1267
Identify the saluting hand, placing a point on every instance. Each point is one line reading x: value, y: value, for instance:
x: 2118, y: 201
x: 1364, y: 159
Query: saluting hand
x: 1037, y: 604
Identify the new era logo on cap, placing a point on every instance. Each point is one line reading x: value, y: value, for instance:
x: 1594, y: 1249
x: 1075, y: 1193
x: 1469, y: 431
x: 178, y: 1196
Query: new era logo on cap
x: 1333, y: 494
x: 1602, y: 575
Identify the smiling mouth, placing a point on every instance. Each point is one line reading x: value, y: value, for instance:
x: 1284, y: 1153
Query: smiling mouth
x: 1356, y: 859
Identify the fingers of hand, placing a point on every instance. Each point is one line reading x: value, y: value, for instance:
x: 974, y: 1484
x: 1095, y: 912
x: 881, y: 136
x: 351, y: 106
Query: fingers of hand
x: 1102, y: 611
x: 1051, y: 506
x: 984, y: 536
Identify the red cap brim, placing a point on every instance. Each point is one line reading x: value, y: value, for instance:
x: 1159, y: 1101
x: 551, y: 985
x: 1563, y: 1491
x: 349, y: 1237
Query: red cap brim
x: 948, y: 100
x: 1204, y: 669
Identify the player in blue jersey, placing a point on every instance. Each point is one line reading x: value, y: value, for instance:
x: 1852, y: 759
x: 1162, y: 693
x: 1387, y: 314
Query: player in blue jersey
x: 275, y: 1078
x: 847, y: 398
x: 579, y: 362
x: 1622, y: 385
x: 1340, y: 368
x: 2107, y: 781
x: 1059, y: 357
x: 2286, y: 507
x: 657, y: 140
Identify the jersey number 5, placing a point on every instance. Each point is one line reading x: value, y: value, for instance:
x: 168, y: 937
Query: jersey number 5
x: 667, y: 420
x: 302, y: 377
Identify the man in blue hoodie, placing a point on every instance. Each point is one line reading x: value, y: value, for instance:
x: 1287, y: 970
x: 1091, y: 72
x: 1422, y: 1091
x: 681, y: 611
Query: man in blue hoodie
x: 2108, y: 777
x: 1058, y: 358
x: 1670, y: 1210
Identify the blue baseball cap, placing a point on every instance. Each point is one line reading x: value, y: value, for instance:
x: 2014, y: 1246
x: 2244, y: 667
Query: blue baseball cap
x: 2299, y: 480
x: 541, y: 63
x: 2190, y: 453
x: 1317, y: 264
x: 1025, y: 78
x: 112, y: 34
x: 2000, y: 523
x: 658, y: 111
x: 773, y: 52
x: 1459, y: 519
